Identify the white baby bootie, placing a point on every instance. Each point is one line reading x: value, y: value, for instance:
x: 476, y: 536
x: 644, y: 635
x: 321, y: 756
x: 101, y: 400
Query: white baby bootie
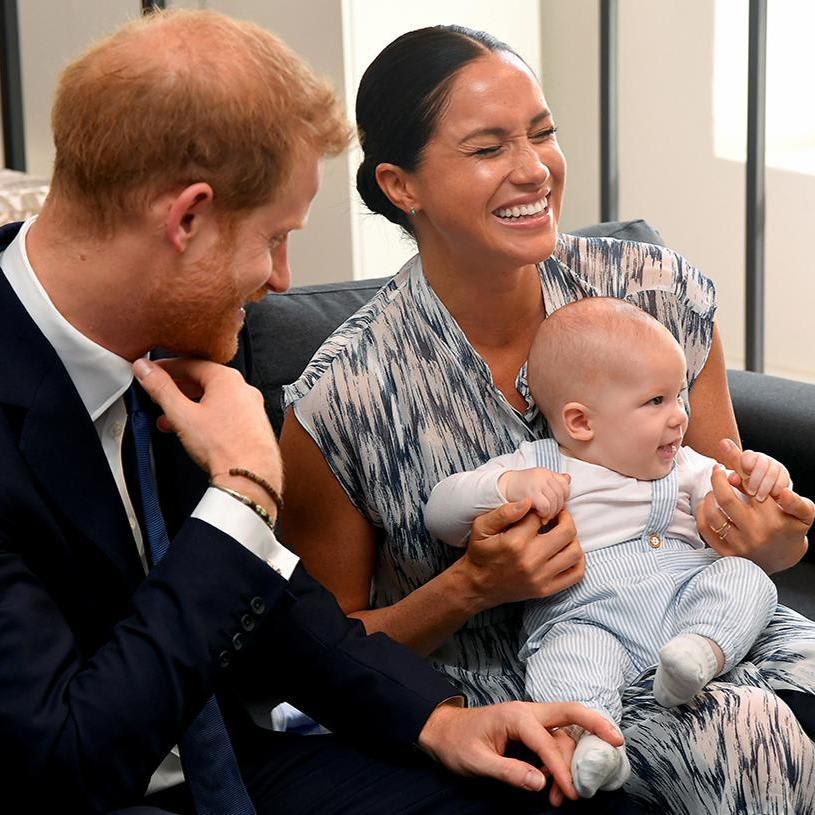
x: 686, y: 664
x: 596, y: 765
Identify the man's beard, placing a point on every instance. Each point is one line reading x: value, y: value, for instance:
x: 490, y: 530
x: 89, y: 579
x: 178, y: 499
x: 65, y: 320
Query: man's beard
x: 202, y: 318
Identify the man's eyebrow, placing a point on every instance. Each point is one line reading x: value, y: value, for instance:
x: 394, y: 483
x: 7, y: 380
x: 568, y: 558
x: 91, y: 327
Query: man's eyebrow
x: 500, y: 132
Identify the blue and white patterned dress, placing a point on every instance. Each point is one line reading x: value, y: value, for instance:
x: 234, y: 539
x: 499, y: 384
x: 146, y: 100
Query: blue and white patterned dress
x: 397, y: 399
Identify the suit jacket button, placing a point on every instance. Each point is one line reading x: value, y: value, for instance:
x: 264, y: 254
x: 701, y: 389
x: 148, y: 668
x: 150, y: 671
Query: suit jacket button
x: 247, y: 622
x: 224, y: 659
x: 257, y: 605
x: 237, y: 642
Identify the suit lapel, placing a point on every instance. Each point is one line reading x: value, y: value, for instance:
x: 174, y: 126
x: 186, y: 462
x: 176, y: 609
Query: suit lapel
x: 57, y: 437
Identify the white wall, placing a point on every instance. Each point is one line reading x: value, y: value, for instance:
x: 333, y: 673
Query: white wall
x: 313, y: 28
x: 570, y: 66
x: 699, y: 203
x: 669, y: 171
x: 51, y: 35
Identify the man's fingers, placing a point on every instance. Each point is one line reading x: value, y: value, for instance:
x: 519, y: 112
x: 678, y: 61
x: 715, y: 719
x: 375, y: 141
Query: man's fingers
x: 159, y: 385
x: 541, y: 741
x: 562, y: 714
x: 512, y: 771
x: 184, y: 369
x: 566, y: 745
x: 165, y: 425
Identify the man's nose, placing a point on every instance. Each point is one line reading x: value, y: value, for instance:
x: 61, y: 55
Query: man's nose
x: 280, y: 278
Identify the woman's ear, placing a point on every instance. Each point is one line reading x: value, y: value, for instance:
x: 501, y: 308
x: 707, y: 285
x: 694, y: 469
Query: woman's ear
x: 576, y: 418
x: 396, y: 184
x: 186, y: 214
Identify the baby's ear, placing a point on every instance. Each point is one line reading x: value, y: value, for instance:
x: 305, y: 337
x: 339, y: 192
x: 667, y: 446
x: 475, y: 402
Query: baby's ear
x: 576, y: 419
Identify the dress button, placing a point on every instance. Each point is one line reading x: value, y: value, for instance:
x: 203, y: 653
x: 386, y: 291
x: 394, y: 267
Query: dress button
x: 247, y: 622
x: 654, y: 541
x: 133, y: 523
x: 116, y: 429
x: 237, y: 642
x: 224, y: 659
x: 257, y: 605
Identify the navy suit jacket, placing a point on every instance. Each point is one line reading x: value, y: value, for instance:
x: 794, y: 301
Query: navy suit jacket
x: 102, y: 668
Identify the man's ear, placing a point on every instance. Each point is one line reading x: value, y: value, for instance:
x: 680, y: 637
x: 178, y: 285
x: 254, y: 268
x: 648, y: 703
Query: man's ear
x: 576, y: 419
x: 187, y: 212
x: 397, y: 186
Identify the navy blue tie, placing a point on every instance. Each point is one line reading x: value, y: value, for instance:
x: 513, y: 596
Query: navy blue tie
x: 209, y: 762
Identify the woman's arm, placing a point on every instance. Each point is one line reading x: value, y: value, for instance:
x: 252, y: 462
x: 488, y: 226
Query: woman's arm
x: 711, y: 417
x: 762, y: 531
x: 506, y: 560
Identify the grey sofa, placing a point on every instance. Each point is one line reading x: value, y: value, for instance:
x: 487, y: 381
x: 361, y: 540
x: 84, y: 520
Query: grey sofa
x: 775, y: 415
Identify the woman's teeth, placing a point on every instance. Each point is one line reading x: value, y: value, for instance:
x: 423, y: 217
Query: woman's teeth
x: 524, y: 209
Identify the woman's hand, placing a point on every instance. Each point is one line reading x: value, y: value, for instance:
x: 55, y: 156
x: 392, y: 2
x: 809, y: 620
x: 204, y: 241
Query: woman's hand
x: 526, y: 564
x: 770, y: 533
x: 508, y: 559
x: 756, y: 474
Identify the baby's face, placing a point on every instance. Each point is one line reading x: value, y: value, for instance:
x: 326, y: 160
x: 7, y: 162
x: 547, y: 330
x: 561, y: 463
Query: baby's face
x: 638, y: 414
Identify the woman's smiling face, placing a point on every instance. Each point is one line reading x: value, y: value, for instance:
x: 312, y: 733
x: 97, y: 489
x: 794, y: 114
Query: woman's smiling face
x: 490, y: 183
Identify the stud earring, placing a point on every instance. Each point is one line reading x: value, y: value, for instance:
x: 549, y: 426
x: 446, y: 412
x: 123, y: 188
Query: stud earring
x: 412, y: 212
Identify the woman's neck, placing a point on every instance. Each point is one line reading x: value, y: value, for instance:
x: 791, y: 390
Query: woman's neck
x: 495, y: 308
x: 499, y: 311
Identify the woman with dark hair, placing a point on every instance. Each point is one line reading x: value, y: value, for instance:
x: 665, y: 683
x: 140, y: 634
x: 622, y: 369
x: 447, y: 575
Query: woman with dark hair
x: 429, y: 378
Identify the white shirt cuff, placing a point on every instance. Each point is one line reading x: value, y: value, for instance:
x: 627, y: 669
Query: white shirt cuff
x: 235, y: 519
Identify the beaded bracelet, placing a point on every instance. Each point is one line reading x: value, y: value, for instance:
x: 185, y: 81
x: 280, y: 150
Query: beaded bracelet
x: 246, y: 501
x: 259, y: 480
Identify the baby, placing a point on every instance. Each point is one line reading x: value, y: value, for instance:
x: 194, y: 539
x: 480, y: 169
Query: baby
x: 611, y: 382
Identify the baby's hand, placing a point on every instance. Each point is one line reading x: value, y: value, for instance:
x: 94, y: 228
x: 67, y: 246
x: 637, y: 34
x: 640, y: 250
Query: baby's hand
x: 759, y: 475
x: 548, y: 490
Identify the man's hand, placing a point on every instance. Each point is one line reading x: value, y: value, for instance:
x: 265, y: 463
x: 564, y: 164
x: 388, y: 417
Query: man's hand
x: 472, y: 742
x: 547, y: 490
x: 218, y: 418
x: 770, y: 533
